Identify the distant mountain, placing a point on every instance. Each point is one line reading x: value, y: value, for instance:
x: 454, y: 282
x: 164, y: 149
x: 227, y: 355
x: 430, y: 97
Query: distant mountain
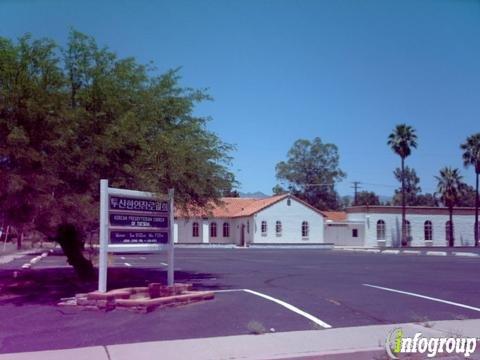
x: 257, y: 194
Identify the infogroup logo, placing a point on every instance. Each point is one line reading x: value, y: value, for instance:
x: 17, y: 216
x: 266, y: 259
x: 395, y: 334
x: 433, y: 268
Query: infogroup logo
x: 397, y: 343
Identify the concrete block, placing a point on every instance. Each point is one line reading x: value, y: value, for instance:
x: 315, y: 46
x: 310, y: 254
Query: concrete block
x: 86, y: 302
x: 98, y: 295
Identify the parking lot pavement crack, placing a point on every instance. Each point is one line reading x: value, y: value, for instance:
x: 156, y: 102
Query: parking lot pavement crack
x: 335, y: 302
x: 356, y: 311
x: 106, y: 351
x: 270, y: 282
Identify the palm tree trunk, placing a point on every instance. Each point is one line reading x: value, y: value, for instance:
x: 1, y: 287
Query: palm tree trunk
x: 452, y: 240
x: 404, y: 240
x: 476, y: 211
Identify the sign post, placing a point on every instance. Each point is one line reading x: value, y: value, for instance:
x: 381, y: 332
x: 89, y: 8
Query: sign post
x: 171, y: 270
x: 134, y: 221
x: 103, y: 256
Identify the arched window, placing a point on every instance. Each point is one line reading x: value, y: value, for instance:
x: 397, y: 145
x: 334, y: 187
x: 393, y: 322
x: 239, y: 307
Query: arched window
x: 428, y: 230
x: 264, y: 228
x: 447, y: 231
x: 289, y: 202
x: 408, y: 229
x: 380, y: 230
x: 305, y: 229
x: 226, y: 229
x: 213, y: 229
x: 278, y: 228
x: 195, y: 230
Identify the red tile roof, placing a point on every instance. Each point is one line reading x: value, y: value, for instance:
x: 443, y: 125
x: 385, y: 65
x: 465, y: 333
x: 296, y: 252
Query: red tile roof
x: 237, y: 207
x: 335, y: 215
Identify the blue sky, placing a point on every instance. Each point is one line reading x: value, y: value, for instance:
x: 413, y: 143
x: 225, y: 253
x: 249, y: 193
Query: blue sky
x: 344, y: 70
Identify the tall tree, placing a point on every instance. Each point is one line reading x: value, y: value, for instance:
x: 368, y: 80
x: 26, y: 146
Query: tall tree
x: 411, y: 186
x: 367, y: 198
x: 311, y: 171
x: 69, y: 117
x: 426, y: 199
x: 471, y: 157
x: 279, y: 190
x: 450, y: 188
x: 467, y: 198
x: 401, y: 141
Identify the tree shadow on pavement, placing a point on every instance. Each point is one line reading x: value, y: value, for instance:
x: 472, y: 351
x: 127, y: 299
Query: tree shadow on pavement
x: 48, y: 286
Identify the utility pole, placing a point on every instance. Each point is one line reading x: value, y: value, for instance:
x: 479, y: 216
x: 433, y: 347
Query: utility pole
x: 356, y: 186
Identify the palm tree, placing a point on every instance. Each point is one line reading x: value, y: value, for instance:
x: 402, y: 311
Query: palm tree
x: 450, y: 188
x: 402, y: 140
x: 471, y: 156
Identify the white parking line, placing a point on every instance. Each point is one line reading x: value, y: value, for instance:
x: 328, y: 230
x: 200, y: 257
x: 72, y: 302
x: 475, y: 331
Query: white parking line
x: 164, y: 264
x: 122, y: 257
x: 128, y: 264
x: 143, y: 258
x: 284, y: 304
x: 291, y: 308
x: 425, y: 297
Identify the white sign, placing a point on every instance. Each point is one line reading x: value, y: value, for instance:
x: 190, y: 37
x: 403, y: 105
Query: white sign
x: 134, y: 221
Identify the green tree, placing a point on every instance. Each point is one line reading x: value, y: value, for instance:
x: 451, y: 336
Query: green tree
x: 345, y: 202
x: 367, y: 198
x: 401, y: 141
x: 311, y: 171
x: 467, y: 198
x: 278, y: 190
x: 450, y: 189
x: 426, y: 199
x: 69, y: 117
x: 471, y: 157
x: 411, y: 185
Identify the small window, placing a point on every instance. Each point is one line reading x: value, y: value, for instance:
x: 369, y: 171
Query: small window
x: 226, y: 229
x: 354, y: 233
x: 264, y: 228
x: 428, y: 230
x: 195, y: 231
x: 380, y: 230
x: 305, y: 229
x: 248, y: 227
x: 213, y: 229
x: 278, y: 228
x: 289, y: 202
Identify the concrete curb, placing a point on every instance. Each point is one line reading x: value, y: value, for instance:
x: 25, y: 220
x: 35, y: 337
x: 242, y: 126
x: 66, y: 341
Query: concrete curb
x: 411, y: 252
x: 5, y: 259
x: 256, y: 246
x: 35, y: 260
x: 322, y: 246
x: 338, y: 343
x: 86, y: 353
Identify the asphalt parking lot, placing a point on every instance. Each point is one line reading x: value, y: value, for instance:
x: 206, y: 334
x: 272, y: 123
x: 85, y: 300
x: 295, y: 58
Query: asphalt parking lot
x: 258, y: 290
